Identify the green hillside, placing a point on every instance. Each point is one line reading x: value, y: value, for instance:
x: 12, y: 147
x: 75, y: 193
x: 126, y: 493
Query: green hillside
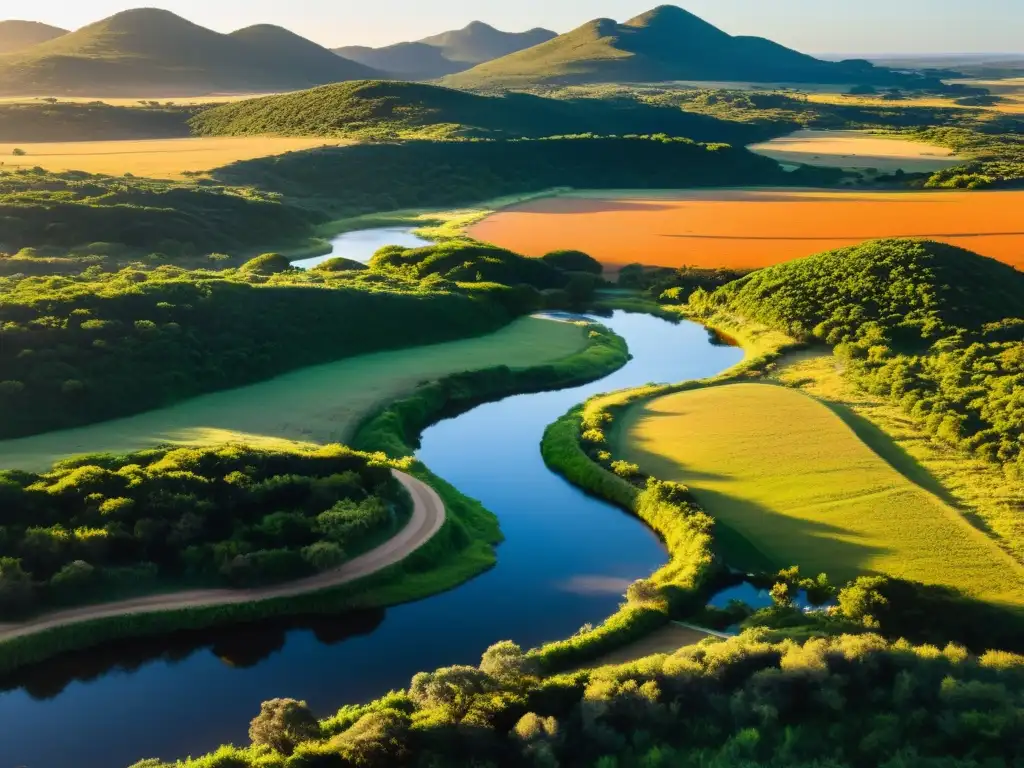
x: 149, y: 52
x: 446, y: 53
x: 479, y: 42
x: 388, y: 109
x: 666, y: 43
x: 938, y: 329
x: 19, y: 35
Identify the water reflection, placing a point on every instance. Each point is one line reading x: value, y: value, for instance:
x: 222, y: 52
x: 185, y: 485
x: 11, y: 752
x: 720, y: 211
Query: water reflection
x: 362, y: 244
x: 566, y: 561
x: 239, y: 647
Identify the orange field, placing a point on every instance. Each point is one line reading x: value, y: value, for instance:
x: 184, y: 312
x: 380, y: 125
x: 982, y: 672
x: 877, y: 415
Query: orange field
x: 753, y: 228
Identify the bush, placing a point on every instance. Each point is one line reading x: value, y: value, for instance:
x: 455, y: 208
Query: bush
x: 267, y: 264
x: 574, y: 261
x: 324, y: 556
x: 283, y: 724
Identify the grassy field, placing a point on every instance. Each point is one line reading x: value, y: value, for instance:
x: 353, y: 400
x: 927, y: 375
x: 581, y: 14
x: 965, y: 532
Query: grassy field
x: 857, y: 149
x: 753, y: 228
x: 980, y: 490
x: 795, y: 485
x: 322, y: 404
x: 1010, y: 91
x: 153, y: 158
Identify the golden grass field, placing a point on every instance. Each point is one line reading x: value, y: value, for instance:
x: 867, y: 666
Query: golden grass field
x: 977, y: 488
x: 787, y: 475
x: 1011, y: 89
x: 321, y: 404
x: 755, y: 227
x: 133, y: 101
x: 154, y: 158
x: 857, y: 149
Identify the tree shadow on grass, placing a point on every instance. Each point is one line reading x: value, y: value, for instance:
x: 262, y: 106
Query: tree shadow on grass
x: 792, y: 540
x: 890, y: 451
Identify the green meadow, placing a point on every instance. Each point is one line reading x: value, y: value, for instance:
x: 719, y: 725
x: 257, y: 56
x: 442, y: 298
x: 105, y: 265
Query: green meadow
x: 791, y: 483
x: 319, y: 404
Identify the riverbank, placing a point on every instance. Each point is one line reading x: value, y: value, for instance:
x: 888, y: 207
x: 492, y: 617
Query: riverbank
x: 428, y: 515
x: 432, y: 224
x: 577, y: 446
x: 461, y: 547
x: 582, y: 447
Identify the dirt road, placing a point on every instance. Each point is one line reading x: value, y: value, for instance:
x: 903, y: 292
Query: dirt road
x: 427, y: 518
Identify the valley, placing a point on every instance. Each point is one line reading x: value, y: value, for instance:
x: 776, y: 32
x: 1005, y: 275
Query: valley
x: 376, y: 396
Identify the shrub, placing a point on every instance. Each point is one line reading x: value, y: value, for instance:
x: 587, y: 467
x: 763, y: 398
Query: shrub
x: 324, y: 556
x: 282, y: 724
x: 267, y: 264
x: 574, y: 261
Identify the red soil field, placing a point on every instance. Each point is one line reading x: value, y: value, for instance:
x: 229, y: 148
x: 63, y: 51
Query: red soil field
x: 754, y: 228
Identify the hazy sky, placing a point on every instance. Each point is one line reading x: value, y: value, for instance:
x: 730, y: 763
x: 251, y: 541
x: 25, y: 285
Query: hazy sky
x: 815, y: 26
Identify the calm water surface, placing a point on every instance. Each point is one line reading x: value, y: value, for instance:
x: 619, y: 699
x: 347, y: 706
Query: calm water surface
x: 566, y: 561
x: 361, y: 245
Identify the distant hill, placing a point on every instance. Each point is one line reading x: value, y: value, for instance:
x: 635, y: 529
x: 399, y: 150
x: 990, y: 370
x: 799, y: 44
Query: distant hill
x: 19, y: 35
x: 664, y: 44
x: 447, y: 53
x: 412, y: 61
x: 150, y: 52
x: 389, y: 109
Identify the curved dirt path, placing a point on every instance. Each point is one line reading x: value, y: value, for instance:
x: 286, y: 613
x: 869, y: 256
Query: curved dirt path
x: 427, y: 518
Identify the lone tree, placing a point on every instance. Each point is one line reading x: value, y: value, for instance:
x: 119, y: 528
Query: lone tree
x: 283, y: 724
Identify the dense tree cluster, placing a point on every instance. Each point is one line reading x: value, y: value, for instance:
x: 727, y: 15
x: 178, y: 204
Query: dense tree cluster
x: 367, y: 178
x: 848, y: 701
x: 675, y: 285
x: 996, y: 150
x: 70, y: 209
x: 83, y: 349
x: 467, y: 261
x: 93, y: 122
x: 389, y: 110
x: 231, y: 515
x: 937, y: 329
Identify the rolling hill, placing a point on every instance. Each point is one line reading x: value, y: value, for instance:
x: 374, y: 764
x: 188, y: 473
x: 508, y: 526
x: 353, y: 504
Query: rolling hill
x: 664, y: 44
x: 19, y: 35
x: 390, y: 110
x: 446, y: 53
x: 412, y: 61
x: 150, y: 52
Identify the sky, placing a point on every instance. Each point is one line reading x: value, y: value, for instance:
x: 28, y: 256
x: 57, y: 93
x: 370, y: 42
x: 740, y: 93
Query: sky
x: 814, y: 26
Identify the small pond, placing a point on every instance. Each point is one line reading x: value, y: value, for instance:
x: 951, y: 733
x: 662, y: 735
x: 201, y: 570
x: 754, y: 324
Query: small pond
x: 363, y: 243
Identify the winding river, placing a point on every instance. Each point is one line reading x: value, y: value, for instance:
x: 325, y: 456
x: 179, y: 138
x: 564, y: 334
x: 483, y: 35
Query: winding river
x: 566, y: 562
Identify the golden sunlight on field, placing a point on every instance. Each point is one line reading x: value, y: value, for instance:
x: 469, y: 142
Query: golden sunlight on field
x: 754, y: 228
x: 857, y: 149
x: 157, y: 158
x: 134, y: 101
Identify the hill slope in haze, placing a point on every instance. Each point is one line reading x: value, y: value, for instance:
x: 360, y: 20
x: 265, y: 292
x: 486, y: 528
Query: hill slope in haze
x: 390, y: 109
x: 19, y: 35
x: 446, y: 53
x: 664, y: 44
x: 154, y: 52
